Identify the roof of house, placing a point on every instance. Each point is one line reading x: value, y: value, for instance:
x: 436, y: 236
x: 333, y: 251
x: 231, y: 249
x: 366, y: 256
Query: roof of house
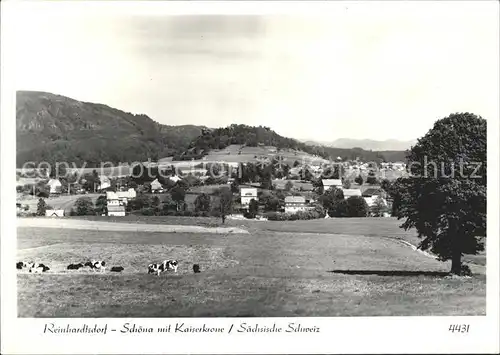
x: 352, y: 192
x: 54, y: 182
x: 331, y: 182
x: 155, y: 182
x: 372, y: 192
x: 295, y: 199
x: 111, y: 195
x: 248, y: 188
x: 130, y: 193
x: 104, y: 179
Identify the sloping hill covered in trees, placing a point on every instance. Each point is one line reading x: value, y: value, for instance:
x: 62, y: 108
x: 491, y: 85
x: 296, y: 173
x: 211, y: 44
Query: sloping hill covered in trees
x: 250, y: 136
x: 56, y: 128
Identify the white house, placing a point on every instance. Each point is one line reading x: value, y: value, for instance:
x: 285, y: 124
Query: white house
x: 125, y: 196
x: 112, y: 198
x: 54, y: 213
x: 247, y: 194
x: 174, y: 178
x: 351, y: 192
x: 156, y: 186
x: 371, y: 195
x: 295, y: 204
x: 105, y: 182
x: 330, y: 183
x: 55, y: 186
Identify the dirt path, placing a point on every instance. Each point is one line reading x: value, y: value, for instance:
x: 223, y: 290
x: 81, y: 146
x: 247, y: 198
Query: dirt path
x: 126, y: 227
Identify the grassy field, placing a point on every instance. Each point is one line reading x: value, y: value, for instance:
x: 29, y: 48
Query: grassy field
x: 291, y: 271
x: 63, y: 202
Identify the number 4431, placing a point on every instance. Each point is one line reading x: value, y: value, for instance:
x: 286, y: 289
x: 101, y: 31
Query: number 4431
x: 459, y: 328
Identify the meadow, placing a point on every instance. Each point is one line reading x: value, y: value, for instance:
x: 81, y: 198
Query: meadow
x: 342, y: 267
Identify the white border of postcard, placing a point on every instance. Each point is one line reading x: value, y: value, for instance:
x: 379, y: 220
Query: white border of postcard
x: 336, y: 335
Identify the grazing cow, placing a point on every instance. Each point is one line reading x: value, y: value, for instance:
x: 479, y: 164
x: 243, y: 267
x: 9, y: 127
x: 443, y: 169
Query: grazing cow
x: 37, y: 268
x: 96, y: 265
x: 117, y: 268
x: 75, y: 266
x: 24, y: 265
x: 196, y: 268
x: 166, y: 265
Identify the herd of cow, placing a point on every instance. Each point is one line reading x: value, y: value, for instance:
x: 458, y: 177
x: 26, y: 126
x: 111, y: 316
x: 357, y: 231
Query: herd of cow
x: 99, y: 265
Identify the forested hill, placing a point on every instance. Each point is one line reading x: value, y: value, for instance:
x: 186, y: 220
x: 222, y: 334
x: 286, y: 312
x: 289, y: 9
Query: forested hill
x: 54, y: 128
x: 253, y: 136
x: 57, y: 128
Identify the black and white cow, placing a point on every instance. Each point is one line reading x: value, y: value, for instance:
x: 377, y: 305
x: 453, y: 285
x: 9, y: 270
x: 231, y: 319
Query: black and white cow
x: 164, y: 266
x: 96, y: 265
x: 21, y: 265
x: 37, y: 268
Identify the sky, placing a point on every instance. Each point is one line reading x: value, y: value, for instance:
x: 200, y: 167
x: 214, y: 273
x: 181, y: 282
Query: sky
x: 347, y: 70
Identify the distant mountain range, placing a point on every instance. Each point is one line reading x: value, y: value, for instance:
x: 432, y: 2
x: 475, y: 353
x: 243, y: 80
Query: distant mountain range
x: 54, y: 128
x: 367, y: 144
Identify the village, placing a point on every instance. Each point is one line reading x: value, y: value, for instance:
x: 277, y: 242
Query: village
x: 263, y: 192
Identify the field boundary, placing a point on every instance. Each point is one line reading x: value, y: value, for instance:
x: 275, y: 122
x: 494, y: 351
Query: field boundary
x: 123, y: 227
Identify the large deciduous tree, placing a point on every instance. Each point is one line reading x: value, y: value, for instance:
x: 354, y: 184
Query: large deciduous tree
x: 445, y: 196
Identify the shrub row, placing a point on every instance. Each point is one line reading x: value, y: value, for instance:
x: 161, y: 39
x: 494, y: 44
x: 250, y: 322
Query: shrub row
x: 160, y: 212
x: 301, y: 215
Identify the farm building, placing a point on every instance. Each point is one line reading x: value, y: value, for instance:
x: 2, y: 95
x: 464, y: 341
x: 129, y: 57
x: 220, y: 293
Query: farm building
x: 125, y: 196
x: 295, y: 204
x: 120, y: 198
x: 351, y: 192
x: 330, y: 183
x: 54, y: 213
x: 247, y: 194
x: 55, y: 186
x: 156, y: 186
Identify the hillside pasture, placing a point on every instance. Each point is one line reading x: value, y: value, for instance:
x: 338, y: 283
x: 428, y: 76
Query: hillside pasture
x: 62, y: 202
x: 264, y: 273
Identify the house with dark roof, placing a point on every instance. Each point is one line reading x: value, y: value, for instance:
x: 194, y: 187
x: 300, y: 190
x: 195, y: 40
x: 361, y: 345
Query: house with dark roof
x: 370, y: 192
x: 371, y: 195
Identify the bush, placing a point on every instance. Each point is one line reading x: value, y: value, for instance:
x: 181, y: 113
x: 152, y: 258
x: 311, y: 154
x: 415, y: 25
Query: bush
x: 84, y: 206
x: 43, y: 194
x: 147, y: 211
x: 272, y: 216
x: 357, y: 207
x: 202, y: 203
x: 301, y: 215
x: 339, y: 209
